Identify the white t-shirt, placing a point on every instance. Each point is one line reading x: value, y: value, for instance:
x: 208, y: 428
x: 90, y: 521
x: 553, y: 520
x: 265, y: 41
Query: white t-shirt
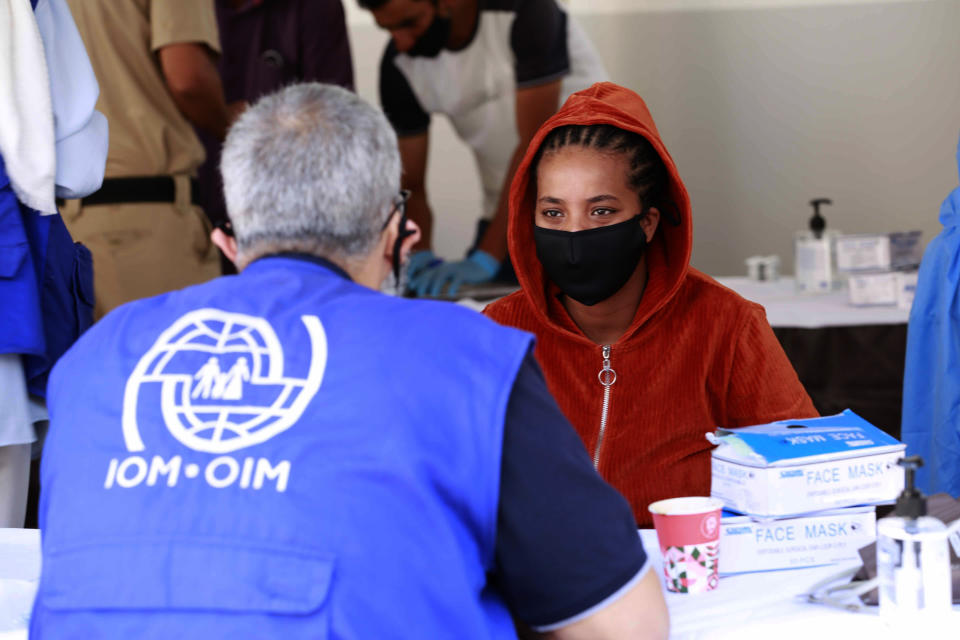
x: 517, y: 44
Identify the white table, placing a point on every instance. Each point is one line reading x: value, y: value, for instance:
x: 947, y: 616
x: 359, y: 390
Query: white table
x: 787, y: 308
x: 19, y: 573
x: 847, y: 357
x: 768, y: 606
x: 764, y: 606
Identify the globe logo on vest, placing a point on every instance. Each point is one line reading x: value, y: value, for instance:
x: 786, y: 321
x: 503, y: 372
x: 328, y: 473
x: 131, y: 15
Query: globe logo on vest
x: 220, y: 382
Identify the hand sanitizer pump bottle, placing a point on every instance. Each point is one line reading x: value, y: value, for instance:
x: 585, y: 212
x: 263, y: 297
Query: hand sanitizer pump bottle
x: 814, y: 266
x: 913, y: 562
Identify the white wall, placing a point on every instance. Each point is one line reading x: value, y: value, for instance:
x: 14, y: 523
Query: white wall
x: 764, y: 104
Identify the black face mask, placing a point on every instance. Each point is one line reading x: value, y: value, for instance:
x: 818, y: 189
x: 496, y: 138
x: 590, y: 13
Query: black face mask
x: 432, y: 41
x: 592, y: 265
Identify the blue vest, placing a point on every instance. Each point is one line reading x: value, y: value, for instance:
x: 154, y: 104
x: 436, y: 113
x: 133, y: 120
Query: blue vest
x: 46, y: 286
x: 279, y: 454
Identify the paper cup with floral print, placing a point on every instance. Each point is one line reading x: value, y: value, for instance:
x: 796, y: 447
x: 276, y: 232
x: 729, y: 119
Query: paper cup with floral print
x: 689, y: 533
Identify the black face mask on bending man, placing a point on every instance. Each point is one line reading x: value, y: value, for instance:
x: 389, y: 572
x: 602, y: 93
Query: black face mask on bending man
x: 591, y: 265
x: 432, y: 41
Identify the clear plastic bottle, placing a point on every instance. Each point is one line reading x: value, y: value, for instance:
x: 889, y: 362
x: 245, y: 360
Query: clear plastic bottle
x: 913, y: 562
x: 814, y: 254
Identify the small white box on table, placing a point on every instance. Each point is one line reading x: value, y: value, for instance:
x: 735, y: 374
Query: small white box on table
x: 880, y: 288
x: 883, y: 288
x: 819, y: 539
x: 863, y: 252
x: 795, y: 467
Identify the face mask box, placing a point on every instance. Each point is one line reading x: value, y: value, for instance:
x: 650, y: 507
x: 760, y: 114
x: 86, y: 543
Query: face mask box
x: 884, y: 288
x: 906, y: 289
x: 873, y: 289
x: 863, y: 252
x: 820, y: 539
x: 795, y: 467
x: 879, y: 251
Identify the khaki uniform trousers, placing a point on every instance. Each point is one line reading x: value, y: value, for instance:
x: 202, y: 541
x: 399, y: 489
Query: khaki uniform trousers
x: 143, y: 249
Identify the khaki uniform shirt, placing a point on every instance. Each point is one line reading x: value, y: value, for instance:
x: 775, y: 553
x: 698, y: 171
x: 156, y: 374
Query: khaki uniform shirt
x: 148, y: 134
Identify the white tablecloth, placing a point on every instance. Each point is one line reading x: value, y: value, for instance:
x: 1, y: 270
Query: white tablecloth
x: 787, y: 308
x: 19, y: 573
x: 762, y: 606
x: 768, y: 606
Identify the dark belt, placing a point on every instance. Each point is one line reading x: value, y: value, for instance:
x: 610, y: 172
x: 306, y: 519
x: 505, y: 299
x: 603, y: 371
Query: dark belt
x: 135, y: 189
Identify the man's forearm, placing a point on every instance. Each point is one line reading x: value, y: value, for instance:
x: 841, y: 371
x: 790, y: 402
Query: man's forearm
x: 419, y: 211
x: 494, y: 241
x: 534, y: 106
x: 195, y: 86
x: 204, y: 113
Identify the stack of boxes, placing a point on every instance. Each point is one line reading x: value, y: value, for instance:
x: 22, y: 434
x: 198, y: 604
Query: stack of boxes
x: 801, y: 493
x: 881, y: 269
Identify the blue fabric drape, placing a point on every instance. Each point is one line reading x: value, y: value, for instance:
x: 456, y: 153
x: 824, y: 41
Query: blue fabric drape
x: 931, y: 386
x: 46, y: 287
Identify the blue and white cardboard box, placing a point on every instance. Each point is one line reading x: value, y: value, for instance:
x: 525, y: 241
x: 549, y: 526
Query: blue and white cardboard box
x: 794, y: 467
x: 819, y: 539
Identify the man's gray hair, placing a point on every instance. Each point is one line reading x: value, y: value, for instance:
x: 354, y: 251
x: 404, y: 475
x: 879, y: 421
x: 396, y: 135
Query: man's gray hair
x: 310, y: 168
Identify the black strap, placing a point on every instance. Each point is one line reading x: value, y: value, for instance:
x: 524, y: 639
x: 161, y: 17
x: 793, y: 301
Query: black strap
x: 134, y: 189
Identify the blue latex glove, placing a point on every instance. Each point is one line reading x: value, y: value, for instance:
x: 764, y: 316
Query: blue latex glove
x: 418, y: 262
x: 479, y: 267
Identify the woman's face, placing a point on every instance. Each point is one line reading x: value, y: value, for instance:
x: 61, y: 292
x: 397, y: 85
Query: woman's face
x: 580, y: 188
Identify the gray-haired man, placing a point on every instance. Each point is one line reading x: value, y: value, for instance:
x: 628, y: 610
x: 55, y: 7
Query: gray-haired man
x: 290, y: 453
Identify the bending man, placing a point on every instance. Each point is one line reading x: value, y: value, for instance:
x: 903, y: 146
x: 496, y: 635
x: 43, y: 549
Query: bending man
x: 497, y: 69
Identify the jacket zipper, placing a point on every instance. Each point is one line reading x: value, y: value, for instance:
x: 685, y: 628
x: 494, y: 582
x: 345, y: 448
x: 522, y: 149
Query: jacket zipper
x: 607, y: 377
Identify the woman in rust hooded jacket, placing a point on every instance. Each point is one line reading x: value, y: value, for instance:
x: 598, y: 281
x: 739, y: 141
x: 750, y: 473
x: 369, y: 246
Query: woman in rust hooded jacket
x: 643, y: 353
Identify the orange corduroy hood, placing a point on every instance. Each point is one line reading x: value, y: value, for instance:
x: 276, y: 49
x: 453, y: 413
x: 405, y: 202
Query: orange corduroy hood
x: 696, y: 356
x: 668, y: 252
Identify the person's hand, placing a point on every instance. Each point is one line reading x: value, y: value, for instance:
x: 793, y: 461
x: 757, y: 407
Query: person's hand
x: 418, y: 262
x: 478, y: 267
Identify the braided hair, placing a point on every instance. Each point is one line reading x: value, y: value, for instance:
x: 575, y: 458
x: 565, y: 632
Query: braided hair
x: 647, y: 174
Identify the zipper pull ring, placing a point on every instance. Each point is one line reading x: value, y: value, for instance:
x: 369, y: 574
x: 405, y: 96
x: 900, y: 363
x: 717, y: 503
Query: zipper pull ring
x: 607, y: 376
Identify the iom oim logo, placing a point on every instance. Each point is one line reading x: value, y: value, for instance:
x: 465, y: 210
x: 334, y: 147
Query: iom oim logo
x: 219, y: 381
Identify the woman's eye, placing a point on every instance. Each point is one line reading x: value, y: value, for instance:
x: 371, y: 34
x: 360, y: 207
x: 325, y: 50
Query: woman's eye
x: 550, y: 213
x: 603, y: 211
